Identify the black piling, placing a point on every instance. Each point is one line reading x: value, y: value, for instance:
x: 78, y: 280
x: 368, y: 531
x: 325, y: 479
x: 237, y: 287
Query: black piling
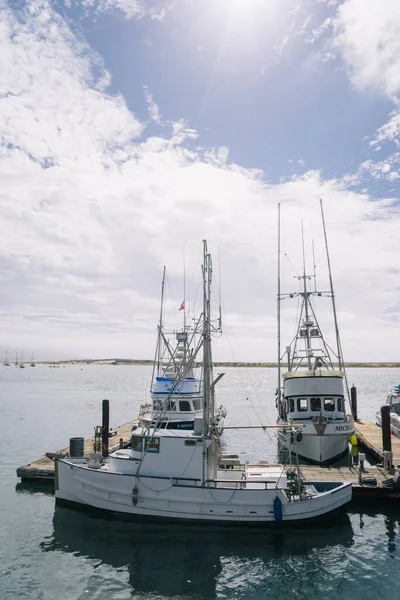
x: 353, y: 400
x: 386, y: 434
x: 105, y: 426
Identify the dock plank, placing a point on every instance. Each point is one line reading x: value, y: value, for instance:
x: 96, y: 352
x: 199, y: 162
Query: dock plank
x: 43, y: 468
x: 370, y: 436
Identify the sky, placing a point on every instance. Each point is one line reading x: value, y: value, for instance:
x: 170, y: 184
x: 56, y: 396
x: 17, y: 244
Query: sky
x: 131, y: 130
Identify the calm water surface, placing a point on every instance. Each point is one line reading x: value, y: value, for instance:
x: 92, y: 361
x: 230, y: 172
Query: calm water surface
x: 49, y: 553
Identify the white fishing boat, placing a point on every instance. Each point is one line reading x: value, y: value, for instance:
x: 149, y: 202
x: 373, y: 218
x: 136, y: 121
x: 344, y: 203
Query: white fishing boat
x: 393, y: 400
x: 313, y: 391
x: 175, y: 377
x: 170, y: 476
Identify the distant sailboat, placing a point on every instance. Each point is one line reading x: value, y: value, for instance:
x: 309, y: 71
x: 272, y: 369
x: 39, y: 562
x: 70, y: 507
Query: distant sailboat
x: 16, y: 360
x: 6, y: 363
x: 32, y: 363
x: 21, y: 364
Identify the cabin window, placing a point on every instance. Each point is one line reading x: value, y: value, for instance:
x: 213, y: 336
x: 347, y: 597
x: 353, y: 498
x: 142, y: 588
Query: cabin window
x: 190, y: 442
x: 137, y: 442
x: 171, y: 405
x: 302, y: 404
x: 152, y: 444
x: 291, y: 405
x: 315, y: 404
x: 340, y: 405
x: 184, y: 406
x: 329, y: 404
x: 157, y: 405
x: 196, y: 404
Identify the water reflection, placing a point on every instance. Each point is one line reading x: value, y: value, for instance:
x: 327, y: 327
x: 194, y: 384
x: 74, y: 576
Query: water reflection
x: 194, y: 562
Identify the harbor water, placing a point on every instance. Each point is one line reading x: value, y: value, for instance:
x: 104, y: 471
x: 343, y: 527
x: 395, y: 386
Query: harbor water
x: 48, y: 552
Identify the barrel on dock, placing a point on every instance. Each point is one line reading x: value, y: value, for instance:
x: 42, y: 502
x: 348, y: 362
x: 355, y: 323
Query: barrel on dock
x: 76, y: 447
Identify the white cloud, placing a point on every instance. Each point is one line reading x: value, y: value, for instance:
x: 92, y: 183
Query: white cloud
x: 390, y: 131
x: 154, y: 110
x: 368, y: 38
x: 90, y: 215
x: 54, y: 108
x: 388, y: 169
x: 131, y: 9
x: 157, y: 10
x: 318, y: 31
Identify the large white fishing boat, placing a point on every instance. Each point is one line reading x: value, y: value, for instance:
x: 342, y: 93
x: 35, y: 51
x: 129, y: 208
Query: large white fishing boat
x: 393, y: 400
x: 175, y: 377
x: 314, y: 390
x: 170, y: 476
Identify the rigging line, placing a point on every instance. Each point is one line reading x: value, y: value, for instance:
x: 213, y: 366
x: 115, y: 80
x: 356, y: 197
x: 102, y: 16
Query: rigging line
x: 182, y: 370
x: 228, y: 335
x: 223, y: 501
x: 291, y: 264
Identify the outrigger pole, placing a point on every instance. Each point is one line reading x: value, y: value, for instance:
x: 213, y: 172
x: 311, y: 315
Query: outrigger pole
x: 339, y: 348
x: 157, y: 358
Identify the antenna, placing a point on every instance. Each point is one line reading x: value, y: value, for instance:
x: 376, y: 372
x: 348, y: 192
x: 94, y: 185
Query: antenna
x: 304, y: 254
x: 306, y: 300
x: 314, y: 267
x: 339, y: 350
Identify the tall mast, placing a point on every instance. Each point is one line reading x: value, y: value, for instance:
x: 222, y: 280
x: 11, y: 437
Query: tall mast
x: 206, y: 354
x: 339, y: 349
x: 184, y: 293
x: 219, y: 289
x: 278, y: 311
x: 305, y: 296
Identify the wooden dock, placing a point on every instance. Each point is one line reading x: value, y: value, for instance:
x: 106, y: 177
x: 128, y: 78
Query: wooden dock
x: 368, y: 434
x: 43, y: 468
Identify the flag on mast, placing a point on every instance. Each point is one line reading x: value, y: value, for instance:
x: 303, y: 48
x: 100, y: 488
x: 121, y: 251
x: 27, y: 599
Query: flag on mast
x: 182, y: 306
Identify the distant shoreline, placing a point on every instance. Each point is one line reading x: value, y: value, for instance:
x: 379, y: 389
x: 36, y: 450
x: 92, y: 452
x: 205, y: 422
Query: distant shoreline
x: 131, y: 362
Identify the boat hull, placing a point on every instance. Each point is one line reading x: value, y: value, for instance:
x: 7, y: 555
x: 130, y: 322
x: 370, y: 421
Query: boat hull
x: 151, y: 497
x: 394, y: 423
x: 317, y: 447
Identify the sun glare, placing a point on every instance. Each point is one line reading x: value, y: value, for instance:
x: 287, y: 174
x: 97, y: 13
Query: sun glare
x: 245, y: 12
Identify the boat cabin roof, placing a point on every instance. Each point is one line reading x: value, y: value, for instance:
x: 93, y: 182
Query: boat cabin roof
x: 316, y: 373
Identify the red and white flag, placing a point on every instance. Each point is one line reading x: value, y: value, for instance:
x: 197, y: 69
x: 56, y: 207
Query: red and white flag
x: 182, y: 306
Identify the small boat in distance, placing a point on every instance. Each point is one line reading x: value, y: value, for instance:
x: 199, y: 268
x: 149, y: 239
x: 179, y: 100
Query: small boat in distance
x: 21, y: 364
x: 313, y: 392
x: 393, y: 399
x: 181, y: 475
x: 32, y: 363
x: 6, y: 363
